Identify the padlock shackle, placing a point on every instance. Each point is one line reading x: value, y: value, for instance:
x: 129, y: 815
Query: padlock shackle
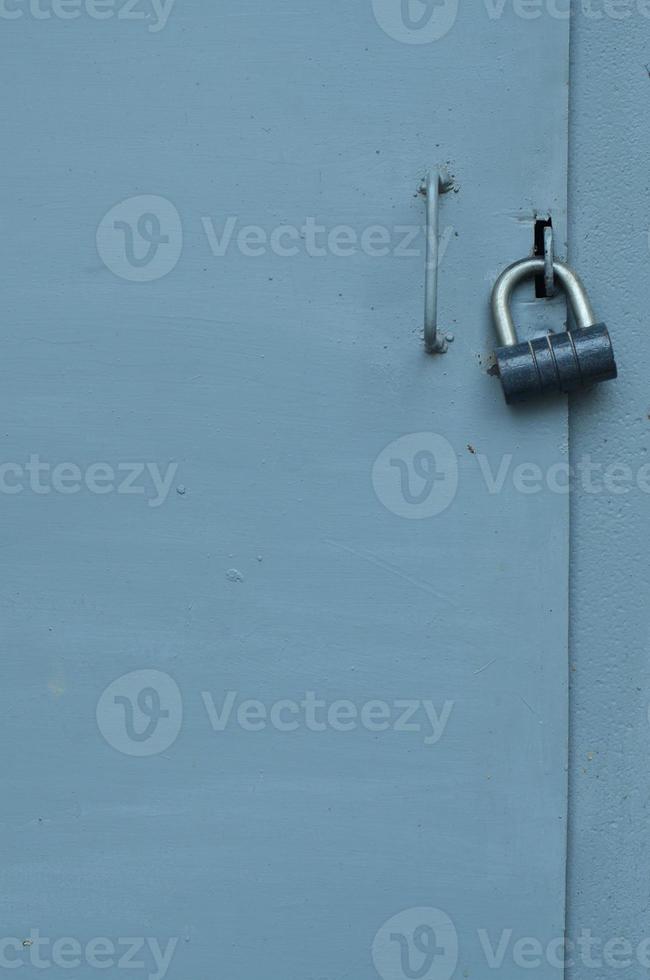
x: 524, y: 269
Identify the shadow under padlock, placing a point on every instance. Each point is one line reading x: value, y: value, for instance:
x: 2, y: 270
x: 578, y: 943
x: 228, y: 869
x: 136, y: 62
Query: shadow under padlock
x: 577, y: 358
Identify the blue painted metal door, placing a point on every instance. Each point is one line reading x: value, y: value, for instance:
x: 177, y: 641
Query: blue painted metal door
x: 285, y: 599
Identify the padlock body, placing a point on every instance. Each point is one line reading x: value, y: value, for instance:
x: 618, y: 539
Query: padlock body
x: 557, y: 362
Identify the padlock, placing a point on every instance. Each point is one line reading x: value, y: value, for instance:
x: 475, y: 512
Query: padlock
x: 576, y: 358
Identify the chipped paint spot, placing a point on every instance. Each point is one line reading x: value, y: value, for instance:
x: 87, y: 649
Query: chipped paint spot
x: 56, y: 687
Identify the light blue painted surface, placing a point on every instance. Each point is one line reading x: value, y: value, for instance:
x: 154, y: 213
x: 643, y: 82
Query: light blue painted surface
x: 271, y: 568
x: 610, y: 635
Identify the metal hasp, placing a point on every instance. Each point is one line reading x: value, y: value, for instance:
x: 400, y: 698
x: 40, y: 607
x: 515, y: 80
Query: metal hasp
x: 549, y: 259
x: 577, y: 358
x: 437, y: 183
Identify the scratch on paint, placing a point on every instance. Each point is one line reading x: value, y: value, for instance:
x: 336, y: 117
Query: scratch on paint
x: 387, y: 567
x: 532, y: 710
x: 485, y: 667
